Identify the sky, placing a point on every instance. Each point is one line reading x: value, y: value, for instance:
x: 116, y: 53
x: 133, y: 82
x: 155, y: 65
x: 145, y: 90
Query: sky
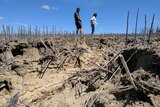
x: 111, y: 14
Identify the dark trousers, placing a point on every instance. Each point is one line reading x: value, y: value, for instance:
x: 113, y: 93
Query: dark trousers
x: 93, y: 28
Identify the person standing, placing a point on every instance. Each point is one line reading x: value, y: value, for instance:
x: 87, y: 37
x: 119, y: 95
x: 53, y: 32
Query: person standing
x: 78, y: 21
x: 93, y: 23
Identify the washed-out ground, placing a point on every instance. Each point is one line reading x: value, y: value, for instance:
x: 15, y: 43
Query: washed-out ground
x: 74, y: 71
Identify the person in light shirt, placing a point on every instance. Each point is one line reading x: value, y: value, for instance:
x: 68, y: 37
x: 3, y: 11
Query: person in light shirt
x: 93, y: 23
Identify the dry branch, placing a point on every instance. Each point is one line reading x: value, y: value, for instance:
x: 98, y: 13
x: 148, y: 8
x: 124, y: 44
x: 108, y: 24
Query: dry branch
x: 63, y: 61
x: 122, y: 89
x: 78, y: 88
x: 92, y: 100
x: 123, y: 66
x: 127, y: 70
x: 113, y: 59
x: 5, y: 85
x: 78, y: 62
x: 152, y: 100
x: 45, y: 68
x: 151, y: 86
x: 92, y: 81
x: 13, y: 100
x: 49, y: 50
x: 102, y: 68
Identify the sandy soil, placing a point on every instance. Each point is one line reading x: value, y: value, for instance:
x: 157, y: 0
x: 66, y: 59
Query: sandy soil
x: 20, y: 65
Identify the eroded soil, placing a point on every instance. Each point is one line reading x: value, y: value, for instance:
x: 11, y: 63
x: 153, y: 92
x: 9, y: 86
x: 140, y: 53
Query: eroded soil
x: 76, y: 72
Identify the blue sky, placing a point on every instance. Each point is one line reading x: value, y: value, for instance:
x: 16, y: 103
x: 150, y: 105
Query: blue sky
x: 111, y: 13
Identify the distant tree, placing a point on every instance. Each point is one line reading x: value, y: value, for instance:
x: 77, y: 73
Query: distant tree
x: 157, y: 30
x: 142, y: 30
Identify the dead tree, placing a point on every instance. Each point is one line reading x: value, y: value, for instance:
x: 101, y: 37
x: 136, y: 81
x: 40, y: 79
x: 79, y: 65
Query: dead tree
x: 151, y: 29
x: 136, y: 24
x: 145, y: 28
x: 127, y: 29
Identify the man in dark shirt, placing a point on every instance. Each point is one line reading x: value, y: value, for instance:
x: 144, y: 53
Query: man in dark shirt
x: 78, y: 21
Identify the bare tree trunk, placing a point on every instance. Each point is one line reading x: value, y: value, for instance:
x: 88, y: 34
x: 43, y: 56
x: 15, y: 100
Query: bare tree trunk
x: 136, y: 26
x: 151, y: 29
x: 145, y: 28
x: 127, y: 29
